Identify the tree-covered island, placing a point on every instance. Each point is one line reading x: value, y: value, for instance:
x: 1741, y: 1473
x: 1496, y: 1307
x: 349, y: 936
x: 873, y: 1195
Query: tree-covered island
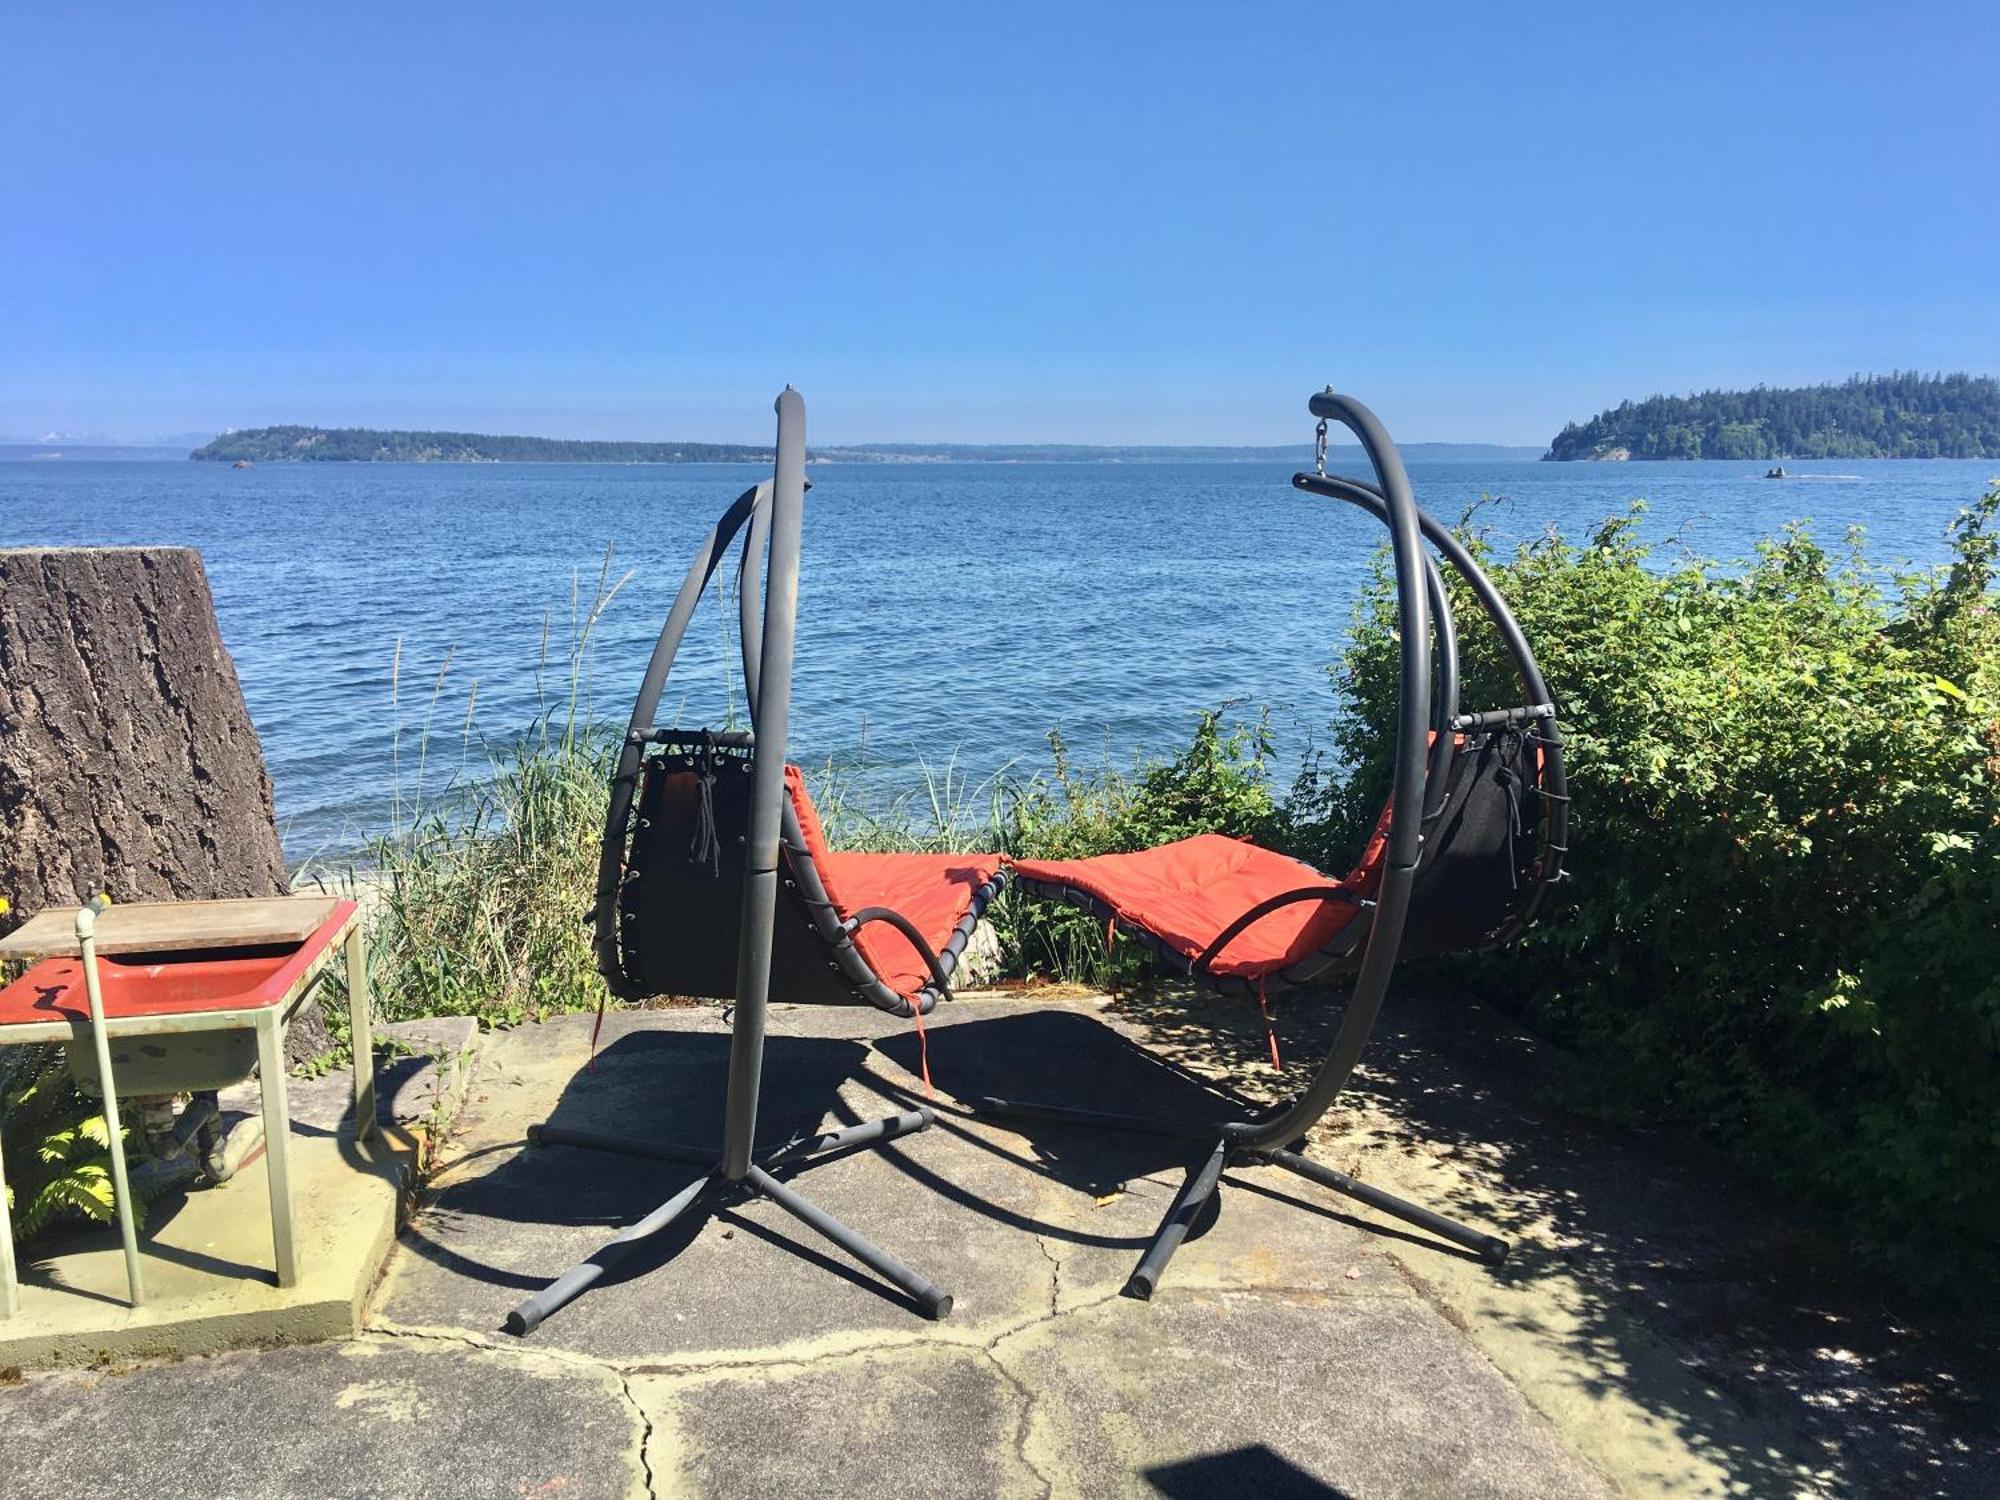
x: 366, y: 444
x: 1903, y: 415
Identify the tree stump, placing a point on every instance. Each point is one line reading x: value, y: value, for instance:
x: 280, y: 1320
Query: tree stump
x: 128, y: 762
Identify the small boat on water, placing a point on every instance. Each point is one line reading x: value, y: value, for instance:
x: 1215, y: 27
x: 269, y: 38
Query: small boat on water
x: 1779, y: 473
x: 243, y: 463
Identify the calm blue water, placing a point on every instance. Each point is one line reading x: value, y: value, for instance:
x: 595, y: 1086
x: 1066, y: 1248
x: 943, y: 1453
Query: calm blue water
x: 947, y: 610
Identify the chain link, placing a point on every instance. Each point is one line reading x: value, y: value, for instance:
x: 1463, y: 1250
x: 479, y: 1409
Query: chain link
x: 1319, y: 449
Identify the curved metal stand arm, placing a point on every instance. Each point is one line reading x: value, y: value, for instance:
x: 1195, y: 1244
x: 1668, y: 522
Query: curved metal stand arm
x: 1536, y: 689
x: 753, y: 502
x: 749, y: 606
x: 1413, y: 712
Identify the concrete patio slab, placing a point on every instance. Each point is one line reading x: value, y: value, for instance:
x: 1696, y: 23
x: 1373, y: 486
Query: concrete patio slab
x: 366, y: 1419
x: 207, y: 1254
x: 1297, y: 1347
x: 765, y: 1363
x: 1252, y: 1393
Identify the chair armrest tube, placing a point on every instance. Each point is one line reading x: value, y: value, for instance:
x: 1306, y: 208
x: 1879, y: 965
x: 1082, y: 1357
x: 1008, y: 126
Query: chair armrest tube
x: 1262, y: 910
x: 908, y: 929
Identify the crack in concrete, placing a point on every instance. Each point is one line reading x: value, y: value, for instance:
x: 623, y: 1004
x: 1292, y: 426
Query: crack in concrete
x: 1055, y: 1274
x: 987, y: 1345
x: 645, y: 1436
x: 775, y: 1359
x: 1024, y: 1423
x: 532, y: 1358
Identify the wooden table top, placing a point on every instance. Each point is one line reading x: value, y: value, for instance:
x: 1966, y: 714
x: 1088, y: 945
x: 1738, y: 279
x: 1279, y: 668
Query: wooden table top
x: 175, y: 926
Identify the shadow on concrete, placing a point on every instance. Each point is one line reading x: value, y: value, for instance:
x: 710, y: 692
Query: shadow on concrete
x: 666, y: 1088
x: 669, y: 1087
x: 1659, y: 1239
x: 1254, y: 1471
x: 1060, y: 1057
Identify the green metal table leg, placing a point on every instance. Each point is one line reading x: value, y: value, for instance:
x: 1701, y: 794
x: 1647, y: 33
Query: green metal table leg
x: 10, y: 1298
x: 361, y: 1019
x: 128, y: 1224
x: 277, y: 1145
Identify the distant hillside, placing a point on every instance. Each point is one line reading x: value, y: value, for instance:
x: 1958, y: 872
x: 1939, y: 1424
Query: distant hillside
x: 364, y: 445
x: 1151, y: 453
x: 1905, y: 415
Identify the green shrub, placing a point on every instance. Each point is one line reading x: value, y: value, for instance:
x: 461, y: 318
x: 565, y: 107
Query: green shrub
x: 57, y: 1146
x: 1786, y: 871
x: 477, y: 907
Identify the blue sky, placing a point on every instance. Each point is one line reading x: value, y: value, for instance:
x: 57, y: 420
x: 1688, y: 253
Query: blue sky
x: 1062, y: 222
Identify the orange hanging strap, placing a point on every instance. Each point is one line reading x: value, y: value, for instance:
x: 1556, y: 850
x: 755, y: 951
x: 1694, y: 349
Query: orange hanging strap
x: 597, y: 1026
x: 923, y: 1051
x: 1110, y: 933
x: 1270, y: 1033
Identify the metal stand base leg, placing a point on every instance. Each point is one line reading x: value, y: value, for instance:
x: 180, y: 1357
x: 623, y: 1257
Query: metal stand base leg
x: 883, y: 1264
x: 1061, y: 1114
x: 1487, y: 1247
x: 872, y: 1133
x: 1199, y: 1187
x: 572, y: 1283
x: 591, y: 1140
x: 567, y: 1287
x: 1203, y: 1181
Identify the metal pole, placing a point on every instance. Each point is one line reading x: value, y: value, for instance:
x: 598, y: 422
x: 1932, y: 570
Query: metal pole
x: 361, y: 1028
x: 567, y: 1287
x: 933, y: 1301
x: 128, y: 1228
x: 767, y: 789
x: 10, y: 1298
x: 277, y: 1146
x: 1196, y: 1190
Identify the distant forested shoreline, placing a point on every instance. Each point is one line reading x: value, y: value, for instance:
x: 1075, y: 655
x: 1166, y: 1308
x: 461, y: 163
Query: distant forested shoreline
x: 1904, y: 415
x: 369, y: 445
x: 373, y: 445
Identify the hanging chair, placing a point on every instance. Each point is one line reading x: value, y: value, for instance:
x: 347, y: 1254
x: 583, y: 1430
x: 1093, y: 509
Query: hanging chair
x: 715, y: 880
x: 1473, y: 833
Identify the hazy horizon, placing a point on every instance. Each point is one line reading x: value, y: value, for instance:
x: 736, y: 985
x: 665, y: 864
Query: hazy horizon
x: 196, y: 440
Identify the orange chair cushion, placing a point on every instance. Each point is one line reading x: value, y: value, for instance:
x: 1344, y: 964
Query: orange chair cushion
x: 1188, y: 892
x: 934, y: 891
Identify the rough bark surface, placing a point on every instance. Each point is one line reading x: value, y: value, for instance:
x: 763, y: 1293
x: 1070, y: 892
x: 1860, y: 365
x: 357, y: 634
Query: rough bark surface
x: 128, y: 762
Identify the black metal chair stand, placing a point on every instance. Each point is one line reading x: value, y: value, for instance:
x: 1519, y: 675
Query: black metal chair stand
x: 1226, y: 1148
x: 737, y: 1169
x: 1475, y: 830
x: 716, y: 1189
